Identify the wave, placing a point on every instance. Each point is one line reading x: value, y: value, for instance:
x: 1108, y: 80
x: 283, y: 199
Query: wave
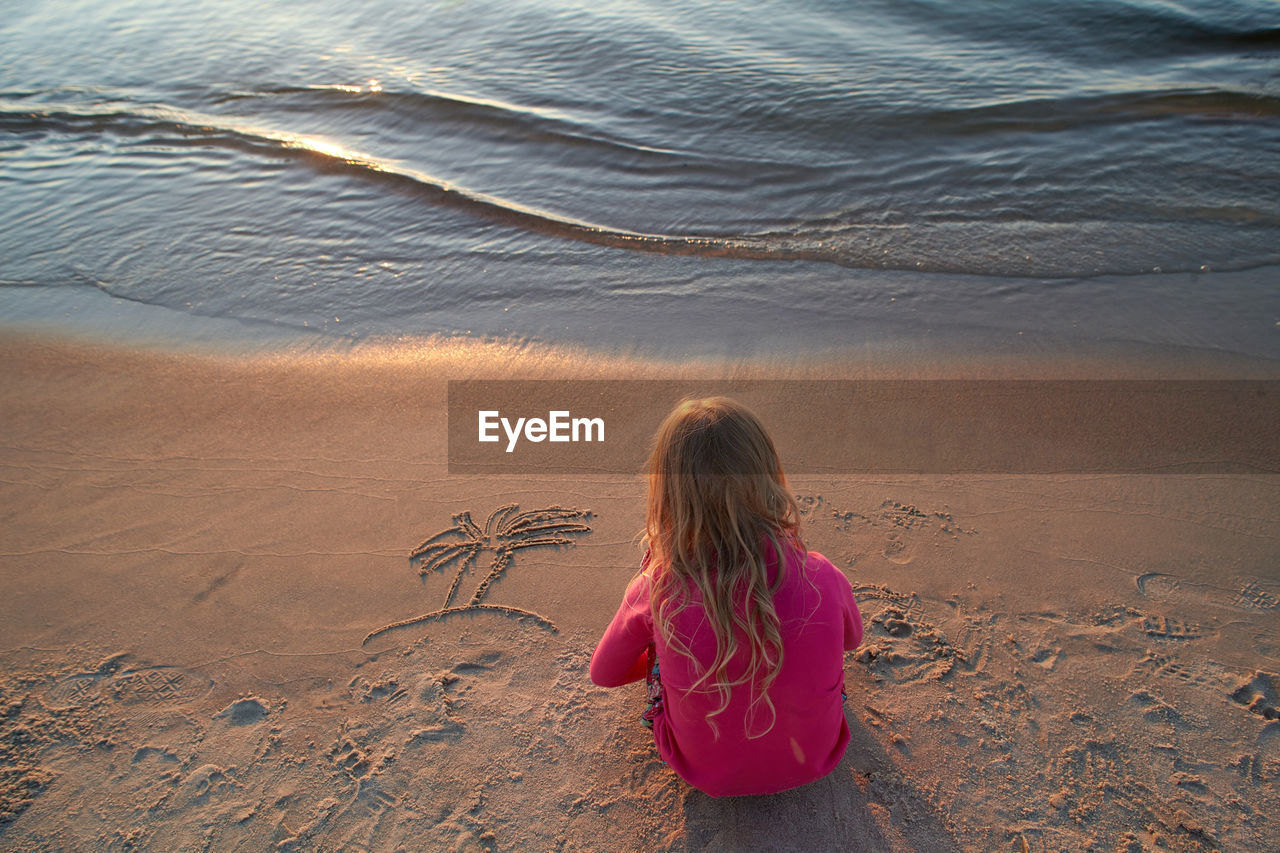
x: 534, y: 122
x: 957, y: 242
x: 183, y: 130
x: 1146, y: 28
x: 1058, y: 114
x: 530, y: 125
x: 815, y: 118
x: 897, y: 123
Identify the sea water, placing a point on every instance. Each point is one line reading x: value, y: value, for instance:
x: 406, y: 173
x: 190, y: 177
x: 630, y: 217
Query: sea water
x: 661, y: 177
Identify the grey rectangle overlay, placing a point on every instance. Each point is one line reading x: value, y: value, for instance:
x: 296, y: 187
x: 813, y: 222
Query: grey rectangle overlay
x: 883, y: 426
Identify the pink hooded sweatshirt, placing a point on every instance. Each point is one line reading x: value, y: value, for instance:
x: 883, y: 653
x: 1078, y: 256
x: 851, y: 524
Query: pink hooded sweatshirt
x: 819, y: 621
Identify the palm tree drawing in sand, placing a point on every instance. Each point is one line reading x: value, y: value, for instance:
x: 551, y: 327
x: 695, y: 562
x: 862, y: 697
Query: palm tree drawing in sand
x: 506, y: 531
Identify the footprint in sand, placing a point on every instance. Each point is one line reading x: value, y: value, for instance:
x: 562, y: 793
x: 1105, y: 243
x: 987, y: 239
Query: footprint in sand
x: 1102, y: 771
x: 1248, y: 594
x: 902, y: 646
x: 1046, y: 657
x: 247, y: 711
x: 1206, y: 675
x: 113, y: 681
x: 1268, y: 648
x: 1264, y: 764
x: 443, y: 694
x: 161, y: 684
x: 1162, y: 628
x: 1157, y: 711
x: 203, y: 782
x: 1257, y: 595
x: 1158, y: 586
x: 387, y: 689
x: 906, y: 518
x: 975, y: 643
x: 895, y: 551
x: 1260, y: 694
x: 70, y: 692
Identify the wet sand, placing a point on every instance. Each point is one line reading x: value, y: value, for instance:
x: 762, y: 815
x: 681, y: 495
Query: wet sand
x: 195, y: 549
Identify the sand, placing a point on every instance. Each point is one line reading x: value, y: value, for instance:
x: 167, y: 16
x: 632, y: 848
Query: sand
x: 196, y: 547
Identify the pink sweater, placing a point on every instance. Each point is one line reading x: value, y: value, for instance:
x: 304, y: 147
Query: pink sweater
x: 820, y: 620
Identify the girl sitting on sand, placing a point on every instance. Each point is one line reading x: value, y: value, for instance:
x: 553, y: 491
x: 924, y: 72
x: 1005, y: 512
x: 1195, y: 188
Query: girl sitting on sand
x: 739, y: 633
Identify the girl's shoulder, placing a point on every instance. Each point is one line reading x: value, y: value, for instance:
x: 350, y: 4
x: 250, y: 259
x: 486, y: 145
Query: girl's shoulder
x: 819, y: 569
x: 798, y: 555
x: 648, y: 574
x: 641, y: 583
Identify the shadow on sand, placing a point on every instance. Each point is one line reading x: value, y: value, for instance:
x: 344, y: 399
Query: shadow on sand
x: 865, y: 804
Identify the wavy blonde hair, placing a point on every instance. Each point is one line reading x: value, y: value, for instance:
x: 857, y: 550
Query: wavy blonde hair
x: 717, y: 500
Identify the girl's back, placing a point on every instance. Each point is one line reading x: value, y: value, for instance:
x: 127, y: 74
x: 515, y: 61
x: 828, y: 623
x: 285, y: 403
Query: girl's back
x: 746, y: 694
x: 754, y: 748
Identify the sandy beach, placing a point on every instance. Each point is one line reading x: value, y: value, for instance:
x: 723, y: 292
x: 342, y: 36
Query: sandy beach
x: 195, y: 549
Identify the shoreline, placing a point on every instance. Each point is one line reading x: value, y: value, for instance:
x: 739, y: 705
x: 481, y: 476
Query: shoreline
x: 964, y: 327
x: 197, y: 545
x: 229, y: 343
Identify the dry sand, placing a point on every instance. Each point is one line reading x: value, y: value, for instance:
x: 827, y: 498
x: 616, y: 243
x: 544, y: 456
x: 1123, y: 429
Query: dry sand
x: 194, y: 549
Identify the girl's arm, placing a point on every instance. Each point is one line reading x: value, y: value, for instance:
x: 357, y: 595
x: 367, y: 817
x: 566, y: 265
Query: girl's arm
x: 841, y: 591
x: 853, y: 620
x: 622, y: 654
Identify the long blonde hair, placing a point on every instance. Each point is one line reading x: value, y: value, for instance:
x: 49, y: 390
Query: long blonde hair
x: 717, y: 498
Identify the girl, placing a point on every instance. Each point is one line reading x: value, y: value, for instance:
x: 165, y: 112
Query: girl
x: 740, y: 633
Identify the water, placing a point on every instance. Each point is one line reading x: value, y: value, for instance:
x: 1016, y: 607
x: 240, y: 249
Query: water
x: 748, y: 177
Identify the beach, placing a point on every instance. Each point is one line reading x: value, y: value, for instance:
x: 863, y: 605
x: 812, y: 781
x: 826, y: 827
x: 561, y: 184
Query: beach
x: 197, y: 547
x: 298, y: 305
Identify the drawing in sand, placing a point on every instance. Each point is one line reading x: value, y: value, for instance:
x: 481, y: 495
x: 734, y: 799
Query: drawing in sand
x: 505, y: 531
